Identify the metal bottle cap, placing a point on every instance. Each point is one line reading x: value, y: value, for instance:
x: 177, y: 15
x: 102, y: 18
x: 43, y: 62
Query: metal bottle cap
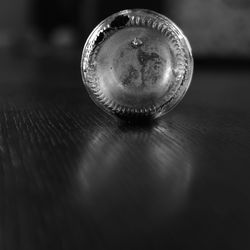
x: 137, y: 63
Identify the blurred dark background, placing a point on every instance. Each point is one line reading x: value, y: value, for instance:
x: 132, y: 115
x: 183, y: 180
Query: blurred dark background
x: 216, y: 28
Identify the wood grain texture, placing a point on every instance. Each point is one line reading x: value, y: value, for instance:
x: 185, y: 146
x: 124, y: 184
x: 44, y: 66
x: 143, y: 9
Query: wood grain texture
x: 71, y: 177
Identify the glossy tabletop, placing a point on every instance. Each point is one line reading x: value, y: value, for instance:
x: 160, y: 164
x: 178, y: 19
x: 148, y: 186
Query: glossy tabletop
x: 71, y: 177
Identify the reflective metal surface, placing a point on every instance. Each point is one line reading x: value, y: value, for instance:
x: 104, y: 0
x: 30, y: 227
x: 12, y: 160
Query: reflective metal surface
x: 137, y: 63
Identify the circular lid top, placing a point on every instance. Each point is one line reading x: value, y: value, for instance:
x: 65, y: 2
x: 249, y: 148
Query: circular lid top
x: 137, y: 62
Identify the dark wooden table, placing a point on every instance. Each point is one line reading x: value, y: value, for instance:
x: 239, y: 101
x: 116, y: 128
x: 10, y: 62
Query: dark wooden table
x: 72, y: 178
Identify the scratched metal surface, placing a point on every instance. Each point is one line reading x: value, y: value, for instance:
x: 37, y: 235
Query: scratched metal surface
x: 73, y: 178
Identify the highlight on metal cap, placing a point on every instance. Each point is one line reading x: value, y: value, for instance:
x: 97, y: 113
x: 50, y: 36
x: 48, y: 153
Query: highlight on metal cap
x: 137, y: 63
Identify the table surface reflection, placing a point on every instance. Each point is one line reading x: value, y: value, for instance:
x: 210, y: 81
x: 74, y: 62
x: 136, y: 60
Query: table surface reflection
x: 71, y: 177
